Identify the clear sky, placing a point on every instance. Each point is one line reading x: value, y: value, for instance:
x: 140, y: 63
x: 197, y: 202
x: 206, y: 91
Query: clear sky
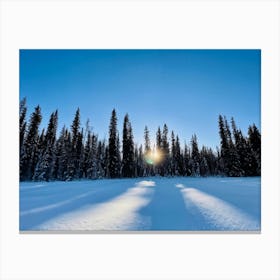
x: 186, y: 89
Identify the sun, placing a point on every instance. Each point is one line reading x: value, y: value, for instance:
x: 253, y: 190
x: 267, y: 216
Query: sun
x: 153, y: 157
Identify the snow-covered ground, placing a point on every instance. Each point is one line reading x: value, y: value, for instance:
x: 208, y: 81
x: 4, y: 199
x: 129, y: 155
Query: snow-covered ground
x: 212, y: 204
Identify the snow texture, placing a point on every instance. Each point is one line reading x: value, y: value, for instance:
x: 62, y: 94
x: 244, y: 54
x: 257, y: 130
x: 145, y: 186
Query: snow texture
x: 180, y: 203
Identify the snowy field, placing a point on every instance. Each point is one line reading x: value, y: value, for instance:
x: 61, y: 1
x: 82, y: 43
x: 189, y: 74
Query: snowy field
x: 167, y: 204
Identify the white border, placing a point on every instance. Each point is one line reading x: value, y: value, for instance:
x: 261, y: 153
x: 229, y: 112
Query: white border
x: 140, y: 24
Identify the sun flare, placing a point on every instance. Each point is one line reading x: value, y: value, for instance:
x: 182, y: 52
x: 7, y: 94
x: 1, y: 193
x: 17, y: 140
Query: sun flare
x: 153, y: 157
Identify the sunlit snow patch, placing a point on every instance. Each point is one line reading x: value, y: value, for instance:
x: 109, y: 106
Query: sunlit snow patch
x: 145, y: 184
x: 222, y: 215
x: 180, y: 186
x: 120, y: 213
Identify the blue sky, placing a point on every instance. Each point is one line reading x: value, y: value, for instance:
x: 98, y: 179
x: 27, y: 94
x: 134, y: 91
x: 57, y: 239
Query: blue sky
x: 186, y: 89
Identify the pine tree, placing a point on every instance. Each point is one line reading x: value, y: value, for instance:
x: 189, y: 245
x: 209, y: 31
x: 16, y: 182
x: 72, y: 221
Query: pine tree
x: 147, y: 153
x: 204, y: 162
x: 159, y: 169
x: 128, y: 168
x: 224, y: 147
x: 58, y: 152
x: 80, y: 155
x: 106, y: 162
x: 187, y: 159
x: 241, y: 150
x: 165, y: 151
x: 254, y: 140
x: 147, y: 140
x: 101, y: 160
x: 173, y: 154
x: 22, y: 121
x: 139, y: 161
x: 73, y: 165
x: 113, y: 152
x: 63, y: 154
x: 234, y: 166
x: 46, y: 152
x: 28, y: 159
x: 22, y: 130
x: 195, y: 157
x: 179, y: 158
x: 212, y: 160
x: 229, y: 160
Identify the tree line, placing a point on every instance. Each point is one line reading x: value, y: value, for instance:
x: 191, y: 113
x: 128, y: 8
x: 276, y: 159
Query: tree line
x: 78, y: 153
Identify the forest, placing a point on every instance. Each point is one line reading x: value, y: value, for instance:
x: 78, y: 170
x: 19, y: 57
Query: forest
x: 77, y: 152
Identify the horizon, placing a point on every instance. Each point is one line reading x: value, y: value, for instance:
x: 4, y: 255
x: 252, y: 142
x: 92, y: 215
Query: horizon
x: 196, y: 79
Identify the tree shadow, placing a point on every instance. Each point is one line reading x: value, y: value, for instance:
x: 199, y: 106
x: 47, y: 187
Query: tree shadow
x: 47, y: 202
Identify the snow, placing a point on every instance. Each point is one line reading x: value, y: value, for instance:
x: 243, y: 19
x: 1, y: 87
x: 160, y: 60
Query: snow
x: 141, y: 204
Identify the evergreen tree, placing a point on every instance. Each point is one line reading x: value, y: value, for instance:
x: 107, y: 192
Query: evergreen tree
x: 106, y: 161
x: 119, y: 161
x: 195, y: 157
x: 87, y: 156
x: 113, y: 152
x: 22, y: 121
x: 128, y: 168
x: 204, y: 162
x: 92, y: 172
x: 234, y: 166
x: 80, y: 155
x: 64, y: 154
x: 101, y: 160
x: 173, y: 154
x: 241, y: 150
x: 139, y: 161
x: 187, y: 159
x: 212, y: 161
x: 22, y: 129
x: 147, y: 153
x: 73, y: 169
x: 90, y: 161
x: 28, y: 159
x: 46, y: 152
x: 165, y: 151
x: 58, y: 151
x: 159, y: 150
x: 147, y: 140
x: 229, y: 159
x: 254, y: 141
x: 178, y: 158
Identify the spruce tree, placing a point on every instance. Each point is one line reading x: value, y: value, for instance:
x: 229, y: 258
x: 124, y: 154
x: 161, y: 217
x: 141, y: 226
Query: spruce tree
x: 195, y: 157
x: 204, y: 162
x: 80, y: 155
x: 241, y: 150
x: 233, y: 161
x: 58, y: 153
x: 101, y: 160
x: 73, y: 164
x: 179, y: 157
x: 30, y: 145
x: 46, y: 153
x: 22, y: 121
x: 139, y: 161
x: 165, y: 151
x: 173, y: 155
x: 128, y: 168
x: 63, y: 154
x: 147, y: 153
x: 187, y: 158
x: 159, y: 169
x: 254, y: 140
x: 113, y: 151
